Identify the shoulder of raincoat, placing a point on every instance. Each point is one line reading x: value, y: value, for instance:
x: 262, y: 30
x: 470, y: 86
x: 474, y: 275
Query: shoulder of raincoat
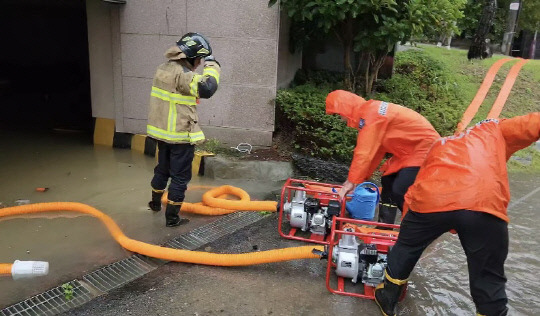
x: 172, y: 115
x: 468, y: 170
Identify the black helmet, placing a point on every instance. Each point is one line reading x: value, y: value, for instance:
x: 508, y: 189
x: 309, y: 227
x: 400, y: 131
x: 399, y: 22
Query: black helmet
x: 194, y: 45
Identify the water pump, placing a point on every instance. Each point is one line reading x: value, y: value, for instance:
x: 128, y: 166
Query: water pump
x: 359, y: 261
x: 308, y: 213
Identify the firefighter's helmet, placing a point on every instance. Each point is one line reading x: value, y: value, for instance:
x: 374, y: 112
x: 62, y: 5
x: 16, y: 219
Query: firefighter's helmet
x: 194, y: 45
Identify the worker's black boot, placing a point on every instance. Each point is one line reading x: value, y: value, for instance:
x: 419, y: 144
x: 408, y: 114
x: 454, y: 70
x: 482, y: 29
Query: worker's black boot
x: 155, y: 204
x: 171, y: 215
x: 388, y: 293
x: 387, y: 214
x: 504, y: 312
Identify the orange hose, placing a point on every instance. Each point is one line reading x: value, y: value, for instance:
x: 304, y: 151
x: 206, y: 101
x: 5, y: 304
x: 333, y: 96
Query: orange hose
x: 469, y: 114
x: 210, y: 199
x: 221, y: 205
x: 5, y: 268
x: 178, y: 255
x: 506, y: 88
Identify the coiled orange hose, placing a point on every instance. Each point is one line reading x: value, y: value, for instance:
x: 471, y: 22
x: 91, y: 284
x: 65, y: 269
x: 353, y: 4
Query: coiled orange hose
x: 214, y: 202
x: 210, y: 199
x: 178, y: 255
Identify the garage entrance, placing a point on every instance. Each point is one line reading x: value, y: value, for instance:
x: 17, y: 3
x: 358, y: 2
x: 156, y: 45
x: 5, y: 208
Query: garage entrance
x: 44, y: 71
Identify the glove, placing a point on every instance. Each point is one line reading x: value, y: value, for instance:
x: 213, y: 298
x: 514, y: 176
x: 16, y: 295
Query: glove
x: 211, y: 58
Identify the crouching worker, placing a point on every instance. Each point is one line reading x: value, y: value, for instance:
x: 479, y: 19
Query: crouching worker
x: 383, y: 128
x: 173, y: 119
x: 462, y: 185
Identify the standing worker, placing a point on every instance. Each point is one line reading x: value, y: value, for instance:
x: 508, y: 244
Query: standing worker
x: 173, y: 119
x: 383, y: 128
x: 462, y: 185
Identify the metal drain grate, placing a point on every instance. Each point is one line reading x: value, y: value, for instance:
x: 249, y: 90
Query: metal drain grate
x: 214, y: 231
x: 52, y: 302
x: 119, y: 273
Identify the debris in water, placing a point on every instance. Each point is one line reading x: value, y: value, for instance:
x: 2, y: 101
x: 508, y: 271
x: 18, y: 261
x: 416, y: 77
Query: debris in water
x: 42, y: 189
x: 22, y: 202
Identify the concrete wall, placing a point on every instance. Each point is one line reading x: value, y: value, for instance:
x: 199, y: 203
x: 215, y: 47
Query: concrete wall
x: 288, y: 63
x: 244, y: 35
x: 100, y: 58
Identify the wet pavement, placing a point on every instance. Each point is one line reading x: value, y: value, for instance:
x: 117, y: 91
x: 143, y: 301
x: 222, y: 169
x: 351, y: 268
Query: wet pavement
x: 115, y: 181
x: 439, y: 283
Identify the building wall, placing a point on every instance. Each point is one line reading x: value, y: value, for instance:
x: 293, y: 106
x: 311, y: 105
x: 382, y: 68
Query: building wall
x: 244, y: 36
x: 288, y: 63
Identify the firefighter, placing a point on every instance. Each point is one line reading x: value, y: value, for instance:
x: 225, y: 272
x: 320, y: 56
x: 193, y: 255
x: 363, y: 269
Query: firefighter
x: 173, y: 121
x: 383, y: 128
x: 462, y: 186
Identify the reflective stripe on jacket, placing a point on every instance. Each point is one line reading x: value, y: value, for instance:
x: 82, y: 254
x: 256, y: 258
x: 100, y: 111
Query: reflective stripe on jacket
x: 468, y: 170
x: 172, y: 115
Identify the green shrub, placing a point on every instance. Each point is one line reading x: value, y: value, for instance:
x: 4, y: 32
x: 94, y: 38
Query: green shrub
x: 419, y: 82
x: 301, y: 114
x: 427, y: 86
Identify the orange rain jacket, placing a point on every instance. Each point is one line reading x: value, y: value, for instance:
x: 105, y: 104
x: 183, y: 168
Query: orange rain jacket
x: 468, y: 170
x: 382, y: 128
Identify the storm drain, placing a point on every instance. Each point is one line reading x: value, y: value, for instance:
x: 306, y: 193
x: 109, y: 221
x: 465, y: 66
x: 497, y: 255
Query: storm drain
x: 53, y: 301
x: 214, y: 231
x: 117, y: 274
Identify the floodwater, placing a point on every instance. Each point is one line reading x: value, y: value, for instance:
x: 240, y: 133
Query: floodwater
x: 438, y: 286
x: 115, y: 181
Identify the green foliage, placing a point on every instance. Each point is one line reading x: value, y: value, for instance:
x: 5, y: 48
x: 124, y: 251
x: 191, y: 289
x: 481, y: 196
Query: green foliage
x: 427, y: 86
x: 211, y: 145
x: 372, y: 27
x: 472, y: 12
x: 301, y: 112
x: 530, y: 15
x: 68, y: 291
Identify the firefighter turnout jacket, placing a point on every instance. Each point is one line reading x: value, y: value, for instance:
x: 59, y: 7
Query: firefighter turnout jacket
x: 468, y: 170
x: 382, y: 128
x: 172, y: 115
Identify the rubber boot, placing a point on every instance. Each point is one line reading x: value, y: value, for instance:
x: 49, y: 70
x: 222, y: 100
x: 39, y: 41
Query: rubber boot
x: 171, y: 215
x: 155, y: 204
x: 387, y: 214
x: 387, y: 294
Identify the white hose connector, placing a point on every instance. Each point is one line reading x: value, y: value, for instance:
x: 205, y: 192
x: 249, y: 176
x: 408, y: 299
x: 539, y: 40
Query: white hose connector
x: 29, y: 269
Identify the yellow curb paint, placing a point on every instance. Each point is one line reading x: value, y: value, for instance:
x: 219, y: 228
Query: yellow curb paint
x: 197, y: 160
x: 137, y: 143
x: 104, y: 132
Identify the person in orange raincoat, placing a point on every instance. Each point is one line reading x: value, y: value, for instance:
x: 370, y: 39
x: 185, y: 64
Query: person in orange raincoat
x: 462, y: 186
x: 383, y: 128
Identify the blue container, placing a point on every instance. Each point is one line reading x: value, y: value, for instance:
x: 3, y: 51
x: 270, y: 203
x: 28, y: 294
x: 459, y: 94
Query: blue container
x: 364, y: 201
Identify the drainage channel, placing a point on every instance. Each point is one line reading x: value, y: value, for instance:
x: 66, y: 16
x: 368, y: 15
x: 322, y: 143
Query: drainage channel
x: 78, y: 292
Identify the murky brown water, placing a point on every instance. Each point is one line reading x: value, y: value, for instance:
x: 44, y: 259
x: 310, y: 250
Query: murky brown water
x: 117, y: 182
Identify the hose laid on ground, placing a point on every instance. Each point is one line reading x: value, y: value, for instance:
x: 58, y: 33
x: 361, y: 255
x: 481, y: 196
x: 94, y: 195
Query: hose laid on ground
x: 5, y: 268
x: 470, y: 112
x: 214, y: 202
x: 497, y: 107
x: 177, y: 255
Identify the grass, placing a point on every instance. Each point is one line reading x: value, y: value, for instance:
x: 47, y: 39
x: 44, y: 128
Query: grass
x: 524, y: 98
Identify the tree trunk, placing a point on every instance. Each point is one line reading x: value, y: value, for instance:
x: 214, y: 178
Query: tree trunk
x: 479, y: 48
x: 347, y: 39
x: 376, y: 60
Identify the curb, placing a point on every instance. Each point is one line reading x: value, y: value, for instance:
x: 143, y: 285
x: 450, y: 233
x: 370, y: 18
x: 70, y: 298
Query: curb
x: 105, y: 134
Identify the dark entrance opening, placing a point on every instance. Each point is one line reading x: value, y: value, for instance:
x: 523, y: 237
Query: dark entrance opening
x: 44, y: 69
